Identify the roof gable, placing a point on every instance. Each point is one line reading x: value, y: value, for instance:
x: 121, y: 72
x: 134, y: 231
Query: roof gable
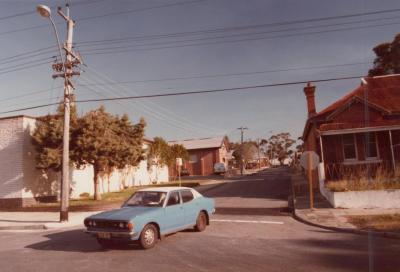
x: 382, y: 93
x: 202, y: 143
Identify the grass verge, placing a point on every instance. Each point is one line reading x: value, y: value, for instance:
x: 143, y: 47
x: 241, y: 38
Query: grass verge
x: 112, y: 197
x: 387, y: 222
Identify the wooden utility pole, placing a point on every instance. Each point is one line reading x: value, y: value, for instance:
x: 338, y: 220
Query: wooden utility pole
x: 241, y: 148
x: 310, y: 178
x: 66, y: 71
x: 258, y: 150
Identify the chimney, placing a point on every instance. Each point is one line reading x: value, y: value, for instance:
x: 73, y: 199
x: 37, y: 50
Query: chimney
x: 309, y: 91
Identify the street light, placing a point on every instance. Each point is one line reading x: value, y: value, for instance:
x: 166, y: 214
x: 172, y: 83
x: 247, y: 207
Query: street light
x: 45, y: 12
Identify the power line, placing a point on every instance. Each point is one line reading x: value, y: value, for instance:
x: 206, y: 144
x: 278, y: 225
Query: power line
x: 155, y: 108
x: 23, y: 64
x: 27, y: 94
x: 46, y: 50
x: 103, y: 15
x: 135, y: 49
x: 77, y: 3
x: 25, y: 67
x: 138, y: 10
x: 214, y: 31
x: 233, y: 74
x: 113, y: 82
x: 49, y: 49
x: 191, y: 92
x: 26, y: 54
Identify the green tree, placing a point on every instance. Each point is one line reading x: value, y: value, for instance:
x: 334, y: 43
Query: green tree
x: 246, y: 152
x: 176, y: 151
x: 387, y: 60
x: 106, y: 142
x: 47, y: 139
x: 159, y: 151
x: 279, y: 146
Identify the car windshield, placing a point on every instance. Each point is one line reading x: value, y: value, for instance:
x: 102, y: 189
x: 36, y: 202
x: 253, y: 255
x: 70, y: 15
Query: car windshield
x: 147, y: 199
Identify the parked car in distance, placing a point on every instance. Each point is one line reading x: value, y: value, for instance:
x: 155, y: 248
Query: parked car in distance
x: 185, y: 172
x: 219, y: 168
x: 150, y: 214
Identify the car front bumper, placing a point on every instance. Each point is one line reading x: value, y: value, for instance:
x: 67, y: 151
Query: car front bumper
x: 113, y: 235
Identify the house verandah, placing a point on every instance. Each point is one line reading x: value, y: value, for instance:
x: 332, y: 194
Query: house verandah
x: 362, y: 151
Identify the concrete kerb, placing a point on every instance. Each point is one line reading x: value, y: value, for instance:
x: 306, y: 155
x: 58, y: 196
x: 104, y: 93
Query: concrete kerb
x: 346, y: 230
x: 292, y: 205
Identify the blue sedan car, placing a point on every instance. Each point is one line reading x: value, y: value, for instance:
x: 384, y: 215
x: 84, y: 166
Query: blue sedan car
x: 151, y: 213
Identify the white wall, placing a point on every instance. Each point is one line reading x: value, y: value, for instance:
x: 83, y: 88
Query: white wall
x: 82, y: 179
x: 11, y: 166
x: 20, y: 179
x: 384, y: 199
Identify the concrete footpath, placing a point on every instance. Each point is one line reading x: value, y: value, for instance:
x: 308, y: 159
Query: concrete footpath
x: 324, y: 216
x: 39, y: 220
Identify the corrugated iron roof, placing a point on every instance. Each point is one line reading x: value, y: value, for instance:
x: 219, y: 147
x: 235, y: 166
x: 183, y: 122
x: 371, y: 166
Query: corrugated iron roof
x: 189, y: 144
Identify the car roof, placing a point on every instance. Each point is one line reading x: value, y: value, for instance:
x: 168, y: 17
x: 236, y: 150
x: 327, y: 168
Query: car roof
x: 164, y: 189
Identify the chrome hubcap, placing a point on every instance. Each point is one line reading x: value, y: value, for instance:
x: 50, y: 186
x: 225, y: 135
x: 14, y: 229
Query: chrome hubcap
x: 149, y: 236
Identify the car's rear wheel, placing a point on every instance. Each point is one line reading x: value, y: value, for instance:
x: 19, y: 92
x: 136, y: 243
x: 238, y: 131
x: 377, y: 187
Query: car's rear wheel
x: 201, y: 222
x: 148, y: 237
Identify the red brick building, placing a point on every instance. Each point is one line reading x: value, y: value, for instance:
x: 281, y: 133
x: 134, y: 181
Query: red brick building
x: 361, y: 129
x: 204, y: 153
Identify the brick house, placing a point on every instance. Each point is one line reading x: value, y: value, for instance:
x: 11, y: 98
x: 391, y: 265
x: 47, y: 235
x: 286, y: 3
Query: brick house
x: 21, y: 184
x: 359, y: 131
x: 204, y: 153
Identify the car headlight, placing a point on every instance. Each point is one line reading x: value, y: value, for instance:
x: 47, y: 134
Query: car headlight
x: 94, y: 223
x: 121, y: 225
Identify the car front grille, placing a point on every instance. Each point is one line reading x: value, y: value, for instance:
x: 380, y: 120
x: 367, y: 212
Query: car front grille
x: 105, y: 224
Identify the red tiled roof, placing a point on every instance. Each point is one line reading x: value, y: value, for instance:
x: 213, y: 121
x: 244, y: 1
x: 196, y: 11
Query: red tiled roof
x: 383, y: 92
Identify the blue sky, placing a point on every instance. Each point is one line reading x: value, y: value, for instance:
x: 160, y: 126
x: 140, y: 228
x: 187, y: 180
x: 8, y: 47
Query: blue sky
x: 148, y: 61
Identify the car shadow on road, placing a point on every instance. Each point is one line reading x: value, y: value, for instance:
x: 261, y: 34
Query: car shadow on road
x: 76, y: 241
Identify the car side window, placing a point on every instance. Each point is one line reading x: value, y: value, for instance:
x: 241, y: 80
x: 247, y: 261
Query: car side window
x: 187, y: 196
x: 173, y: 199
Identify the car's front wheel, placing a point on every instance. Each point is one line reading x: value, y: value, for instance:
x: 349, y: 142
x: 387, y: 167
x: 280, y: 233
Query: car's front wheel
x: 201, y: 222
x: 148, y: 237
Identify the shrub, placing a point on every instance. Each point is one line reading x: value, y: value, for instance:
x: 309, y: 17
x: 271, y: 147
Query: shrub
x: 84, y: 195
x: 361, y: 180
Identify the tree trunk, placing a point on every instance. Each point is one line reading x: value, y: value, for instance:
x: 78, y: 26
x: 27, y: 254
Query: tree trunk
x: 97, y: 195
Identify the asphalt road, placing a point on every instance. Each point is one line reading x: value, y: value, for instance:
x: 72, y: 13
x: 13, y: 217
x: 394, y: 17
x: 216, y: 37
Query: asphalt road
x: 250, y: 232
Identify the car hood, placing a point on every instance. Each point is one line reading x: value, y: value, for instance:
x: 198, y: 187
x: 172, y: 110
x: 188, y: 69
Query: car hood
x: 125, y: 213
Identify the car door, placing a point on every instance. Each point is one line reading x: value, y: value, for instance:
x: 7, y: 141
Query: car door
x: 190, y: 206
x: 174, y: 213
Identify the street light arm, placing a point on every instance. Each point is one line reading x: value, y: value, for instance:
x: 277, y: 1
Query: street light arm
x: 58, y: 42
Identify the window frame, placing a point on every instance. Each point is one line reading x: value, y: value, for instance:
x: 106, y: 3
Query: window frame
x: 368, y: 143
x: 355, y: 148
x: 169, y: 196
x: 186, y: 190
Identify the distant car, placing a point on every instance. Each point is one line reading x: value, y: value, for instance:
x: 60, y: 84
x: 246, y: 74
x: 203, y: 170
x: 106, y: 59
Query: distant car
x: 185, y: 172
x: 151, y: 213
x: 219, y: 168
